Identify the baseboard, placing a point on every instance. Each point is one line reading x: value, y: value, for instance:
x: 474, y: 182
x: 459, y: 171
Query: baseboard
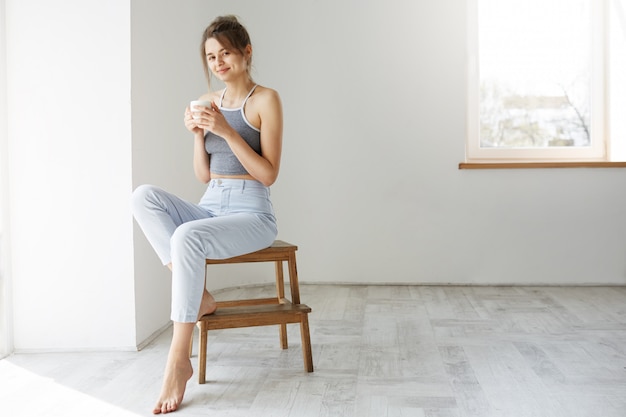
x: 425, y: 284
x: 153, y: 336
x: 466, y: 284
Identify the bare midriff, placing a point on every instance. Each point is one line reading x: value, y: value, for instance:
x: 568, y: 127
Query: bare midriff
x: 233, y: 177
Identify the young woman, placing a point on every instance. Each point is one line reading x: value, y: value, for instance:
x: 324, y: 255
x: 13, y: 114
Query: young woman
x: 237, y: 148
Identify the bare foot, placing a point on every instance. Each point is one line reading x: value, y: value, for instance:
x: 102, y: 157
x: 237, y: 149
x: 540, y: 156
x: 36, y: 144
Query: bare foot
x: 174, y: 384
x: 207, y: 305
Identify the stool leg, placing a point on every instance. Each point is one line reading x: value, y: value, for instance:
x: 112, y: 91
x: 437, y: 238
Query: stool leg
x: 280, y: 294
x: 280, y: 280
x: 306, y: 343
x: 283, y: 336
x: 202, y: 348
x: 293, y: 278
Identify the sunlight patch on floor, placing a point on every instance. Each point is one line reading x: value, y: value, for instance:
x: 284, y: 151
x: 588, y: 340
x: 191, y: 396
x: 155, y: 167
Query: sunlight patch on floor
x: 25, y: 394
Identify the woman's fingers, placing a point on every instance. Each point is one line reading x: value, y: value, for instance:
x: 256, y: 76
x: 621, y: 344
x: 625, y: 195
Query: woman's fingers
x: 191, y: 123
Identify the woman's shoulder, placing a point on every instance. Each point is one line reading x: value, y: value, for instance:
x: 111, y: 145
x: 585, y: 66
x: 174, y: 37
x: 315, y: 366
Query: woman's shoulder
x: 265, y: 92
x: 265, y: 96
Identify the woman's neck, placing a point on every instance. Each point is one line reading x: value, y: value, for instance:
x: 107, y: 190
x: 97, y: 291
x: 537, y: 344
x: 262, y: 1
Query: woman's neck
x: 236, y: 92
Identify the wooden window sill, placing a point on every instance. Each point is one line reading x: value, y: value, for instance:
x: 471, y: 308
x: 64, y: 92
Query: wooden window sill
x: 524, y: 165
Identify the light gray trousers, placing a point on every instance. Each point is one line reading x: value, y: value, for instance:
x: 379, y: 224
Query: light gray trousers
x: 234, y: 217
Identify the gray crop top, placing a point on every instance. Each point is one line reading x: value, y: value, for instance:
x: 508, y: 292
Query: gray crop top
x: 223, y: 161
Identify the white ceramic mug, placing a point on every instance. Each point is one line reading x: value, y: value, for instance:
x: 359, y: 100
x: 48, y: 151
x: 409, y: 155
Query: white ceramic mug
x: 193, y: 106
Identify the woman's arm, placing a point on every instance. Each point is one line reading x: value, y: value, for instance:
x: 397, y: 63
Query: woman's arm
x: 201, y: 159
x: 271, y: 115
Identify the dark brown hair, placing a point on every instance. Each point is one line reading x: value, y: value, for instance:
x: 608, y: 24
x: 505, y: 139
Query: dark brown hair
x: 231, y: 34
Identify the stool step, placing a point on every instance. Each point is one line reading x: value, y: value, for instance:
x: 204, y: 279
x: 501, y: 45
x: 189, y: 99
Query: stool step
x: 254, y: 315
x: 251, y: 302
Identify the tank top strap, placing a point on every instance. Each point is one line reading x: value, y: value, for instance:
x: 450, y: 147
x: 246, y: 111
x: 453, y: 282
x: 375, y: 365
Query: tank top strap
x: 222, y: 98
x: 248, y: 96
x: 244, y: 100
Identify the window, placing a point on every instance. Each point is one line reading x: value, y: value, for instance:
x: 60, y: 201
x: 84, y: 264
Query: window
x: 543, y: 80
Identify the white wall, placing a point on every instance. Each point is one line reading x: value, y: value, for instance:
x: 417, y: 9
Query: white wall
x: 391, y: 205
x: 374, y: 97
x: 374, y: 100
x: 370, y: 188
x: 69, y: 138
x: 6, y: 306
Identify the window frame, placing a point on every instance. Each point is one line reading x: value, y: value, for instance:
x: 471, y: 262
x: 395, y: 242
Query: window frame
x: 599, y: 149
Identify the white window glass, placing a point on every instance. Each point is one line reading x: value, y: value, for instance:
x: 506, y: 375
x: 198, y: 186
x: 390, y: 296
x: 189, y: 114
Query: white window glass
x: 536, y: 79
x: 617, y: 80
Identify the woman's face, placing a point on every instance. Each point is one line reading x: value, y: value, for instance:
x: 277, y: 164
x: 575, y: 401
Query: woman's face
x: 224, y: 63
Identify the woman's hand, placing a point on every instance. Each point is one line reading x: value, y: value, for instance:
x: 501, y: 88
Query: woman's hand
x: 191, y: 123
x: 212, y: 119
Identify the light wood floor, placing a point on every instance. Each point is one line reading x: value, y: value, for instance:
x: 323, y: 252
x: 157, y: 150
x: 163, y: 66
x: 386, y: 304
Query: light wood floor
x: 378, y: 351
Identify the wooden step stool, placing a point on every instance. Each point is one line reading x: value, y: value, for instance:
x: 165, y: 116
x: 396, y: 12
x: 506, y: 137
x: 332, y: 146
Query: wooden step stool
x: 261, y: 311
